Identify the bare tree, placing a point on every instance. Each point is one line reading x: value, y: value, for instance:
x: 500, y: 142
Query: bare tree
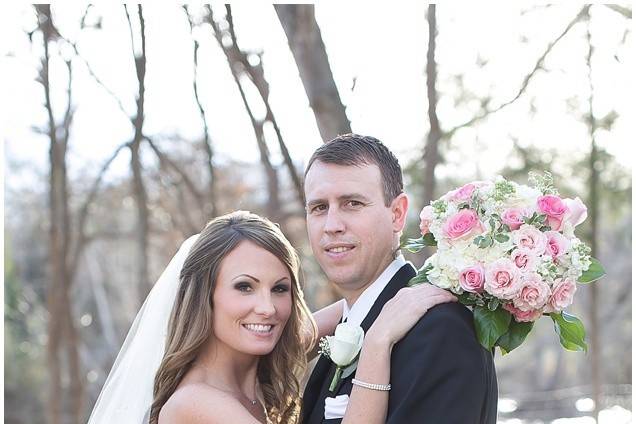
x: 139, y: 189
x: 61, y: 326
x: 242, y: 69
x: 308, y: 49
x: 207, y: 142
x: 431, y: 150
x: 595, y: 346
x: 437, y: 135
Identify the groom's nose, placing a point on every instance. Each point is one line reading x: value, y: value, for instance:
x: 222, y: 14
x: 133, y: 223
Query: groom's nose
x: 334, y: 222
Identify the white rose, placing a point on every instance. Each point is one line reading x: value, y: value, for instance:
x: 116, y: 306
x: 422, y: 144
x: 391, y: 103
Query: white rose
x: 345, y: 344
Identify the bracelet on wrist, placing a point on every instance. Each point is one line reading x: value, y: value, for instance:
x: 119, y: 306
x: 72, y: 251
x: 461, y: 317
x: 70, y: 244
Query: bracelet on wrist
x: 371, y: 386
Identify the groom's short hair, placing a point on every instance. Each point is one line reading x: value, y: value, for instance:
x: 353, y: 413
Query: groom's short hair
x: 357, y: 150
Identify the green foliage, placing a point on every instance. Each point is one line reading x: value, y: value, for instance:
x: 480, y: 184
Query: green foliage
x: 542, y: 182
x: 415, y: 245
x: 593, y: 273
x: 516, y: 334
x: 503, y: 189
x: 490, y: 325
x: 570, y: 330
x: 421, y: 277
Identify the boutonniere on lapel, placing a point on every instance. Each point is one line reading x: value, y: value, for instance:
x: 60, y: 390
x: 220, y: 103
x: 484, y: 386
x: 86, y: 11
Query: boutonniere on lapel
x: 343, y: 349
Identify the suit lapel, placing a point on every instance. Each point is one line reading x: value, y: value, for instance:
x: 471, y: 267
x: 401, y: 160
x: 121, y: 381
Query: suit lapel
x: 314, y: 389
x: 398, y: 281
x: 318, y: 385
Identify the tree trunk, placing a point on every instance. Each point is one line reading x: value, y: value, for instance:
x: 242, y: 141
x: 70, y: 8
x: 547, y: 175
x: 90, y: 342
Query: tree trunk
x: 431, y: 151
x: 139, y: 189
x: 308, y: 49
x: 60, y: 320
x: 595, y: 345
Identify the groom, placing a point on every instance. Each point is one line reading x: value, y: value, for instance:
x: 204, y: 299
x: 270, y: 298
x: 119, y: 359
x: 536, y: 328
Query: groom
x: 356, y: 211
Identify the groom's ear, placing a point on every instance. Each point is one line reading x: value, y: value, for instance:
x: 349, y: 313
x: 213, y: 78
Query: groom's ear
x: 399, y: 208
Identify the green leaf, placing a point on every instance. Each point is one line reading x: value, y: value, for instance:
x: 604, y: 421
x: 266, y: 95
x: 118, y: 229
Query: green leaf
x: 570, y: 330
x: 421, y: 277
x: 429, y: 239
x: 593, y: 273
x: 515, y: 335
x: 467, y: 299
x: 493, y: 303
x: 413, y: 245
x: 490, y: 325
x: 502, y: 238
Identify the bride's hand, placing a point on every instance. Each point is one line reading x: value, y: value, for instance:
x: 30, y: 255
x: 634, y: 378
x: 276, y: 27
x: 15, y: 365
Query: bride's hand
x: 404, y: 310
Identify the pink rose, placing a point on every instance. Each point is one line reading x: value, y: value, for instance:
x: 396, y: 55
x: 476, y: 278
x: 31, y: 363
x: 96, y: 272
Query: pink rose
x: 513, y: 217
x: 462, y: 224
x: 534, y: 293
x: 557, y: 244
x: 562, y: 295
x: 472, y: 278
x: 522, y: 316
x: 524, y: 259
x: 530, y: 237
x: 554, y: 208
x: 463, y: 193
x: 502, y: 279
x: 577, y: 212
x: 426, y: 217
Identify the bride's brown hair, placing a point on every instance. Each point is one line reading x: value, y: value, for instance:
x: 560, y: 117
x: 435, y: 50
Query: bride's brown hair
x: 279, y: 372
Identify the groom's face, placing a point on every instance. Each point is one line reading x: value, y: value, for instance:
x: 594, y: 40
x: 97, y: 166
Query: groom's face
x: 351, y: 230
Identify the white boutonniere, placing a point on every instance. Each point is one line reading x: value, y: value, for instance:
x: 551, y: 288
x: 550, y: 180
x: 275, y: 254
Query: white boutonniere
x: 343, y: 349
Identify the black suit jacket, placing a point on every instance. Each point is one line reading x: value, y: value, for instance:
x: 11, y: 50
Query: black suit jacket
x: 439, y: 372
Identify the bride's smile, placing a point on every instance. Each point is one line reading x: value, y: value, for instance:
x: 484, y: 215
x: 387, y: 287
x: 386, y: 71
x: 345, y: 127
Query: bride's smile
x: 253, y: 290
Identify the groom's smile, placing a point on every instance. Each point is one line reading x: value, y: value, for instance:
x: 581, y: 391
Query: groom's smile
x: 350, y: 228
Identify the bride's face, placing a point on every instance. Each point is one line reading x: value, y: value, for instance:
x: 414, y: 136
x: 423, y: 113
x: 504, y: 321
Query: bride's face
x: 252, y: 300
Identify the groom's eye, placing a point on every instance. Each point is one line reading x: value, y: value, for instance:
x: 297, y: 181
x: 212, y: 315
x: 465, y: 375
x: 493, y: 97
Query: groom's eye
x: 318, y: 208
x: 355, y: 203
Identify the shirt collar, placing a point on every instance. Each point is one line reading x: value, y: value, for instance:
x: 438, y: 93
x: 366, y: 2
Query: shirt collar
x: 361, y: 307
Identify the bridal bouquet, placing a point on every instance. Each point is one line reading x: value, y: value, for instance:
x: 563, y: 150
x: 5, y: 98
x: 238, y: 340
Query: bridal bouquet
x: 509, y: 251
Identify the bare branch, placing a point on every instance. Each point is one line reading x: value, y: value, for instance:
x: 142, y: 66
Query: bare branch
x: 234, y: 55
x: 257, y: 76
x: 82, y: 238
x: 207, y: 143
x: 524, y: 85
x: 625, y: 11
x: 186, y: 179
x: 95, y: 77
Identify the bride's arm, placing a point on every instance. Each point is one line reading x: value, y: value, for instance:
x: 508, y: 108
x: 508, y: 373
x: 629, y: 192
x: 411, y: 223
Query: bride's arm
x: 398, y: 316
x: 326, y: 320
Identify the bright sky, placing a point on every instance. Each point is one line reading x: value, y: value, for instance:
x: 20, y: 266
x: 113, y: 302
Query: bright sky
x: 382, y: 48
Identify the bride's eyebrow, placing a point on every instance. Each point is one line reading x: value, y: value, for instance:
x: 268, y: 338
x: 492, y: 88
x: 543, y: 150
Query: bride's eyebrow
x: 247, y: 275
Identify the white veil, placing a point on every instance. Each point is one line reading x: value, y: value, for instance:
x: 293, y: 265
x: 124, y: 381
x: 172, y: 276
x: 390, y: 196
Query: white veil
x: 127, y: 393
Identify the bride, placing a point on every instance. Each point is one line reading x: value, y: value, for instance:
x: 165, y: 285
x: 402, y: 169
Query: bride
x: 225, y: 334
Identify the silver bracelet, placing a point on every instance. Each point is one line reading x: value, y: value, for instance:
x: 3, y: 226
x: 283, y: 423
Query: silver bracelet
x: 381, y: 387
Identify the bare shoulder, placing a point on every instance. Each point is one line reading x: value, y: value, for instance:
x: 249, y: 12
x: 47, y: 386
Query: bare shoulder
x: 198, y: 403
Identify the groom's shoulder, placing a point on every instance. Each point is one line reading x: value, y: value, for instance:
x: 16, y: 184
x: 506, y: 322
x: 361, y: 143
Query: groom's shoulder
x: 445, y: 321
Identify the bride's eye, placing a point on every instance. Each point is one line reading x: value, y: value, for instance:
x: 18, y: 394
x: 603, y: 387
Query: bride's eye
x: 281, y: 288
x: 243, y: 287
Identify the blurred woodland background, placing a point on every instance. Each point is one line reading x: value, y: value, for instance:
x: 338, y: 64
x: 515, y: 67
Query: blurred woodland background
x: 126, y: 128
